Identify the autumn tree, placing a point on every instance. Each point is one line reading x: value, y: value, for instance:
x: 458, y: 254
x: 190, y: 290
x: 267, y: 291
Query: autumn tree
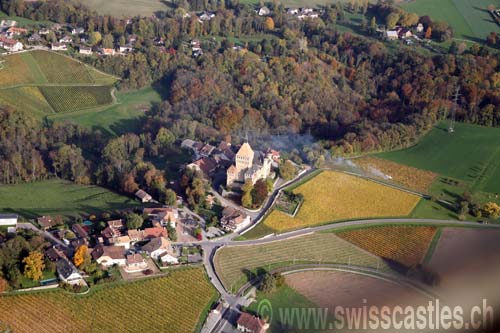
x: 269, y: 24
x: 3, y: 285
x: 81, y: 257
x: 34, y: 265
x: 492, y: 209
x: 428, y: 33
x: 259, y: 192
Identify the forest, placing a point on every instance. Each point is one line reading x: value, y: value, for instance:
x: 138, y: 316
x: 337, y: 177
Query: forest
x: 353, y: 94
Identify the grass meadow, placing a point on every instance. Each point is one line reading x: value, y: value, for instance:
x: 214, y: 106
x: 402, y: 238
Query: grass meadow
x: 59, y: 197
x: 469, y: 18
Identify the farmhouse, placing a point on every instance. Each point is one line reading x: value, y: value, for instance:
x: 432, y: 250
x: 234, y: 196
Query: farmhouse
x: 251, y: 324
x: 10, y: 45
x: 85, y: 50
x: 109, y: 255
x: 143, y: 196
x: 135, y: 263
x: 46, y: 222
x: 248, y: 166
x: 157, y: 247
x: 67, y: 272
x: 8, y: 219
x: 58, y: 47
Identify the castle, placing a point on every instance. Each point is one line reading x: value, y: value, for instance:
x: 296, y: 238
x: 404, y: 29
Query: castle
x: 248, y: 166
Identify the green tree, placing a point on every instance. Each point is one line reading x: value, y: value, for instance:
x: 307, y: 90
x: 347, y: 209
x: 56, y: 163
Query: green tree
x: 172, y: 233
x: 108, y: 42
x: 391, y: 20
x: 164, y: 138
x: 94, y: 38
x: 268, y: 283
x: 134, y: 221
x: 287, y: 170
x: 170, y: 197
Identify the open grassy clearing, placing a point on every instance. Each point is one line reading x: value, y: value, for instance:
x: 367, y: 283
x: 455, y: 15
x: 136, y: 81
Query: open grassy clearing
x: 126, y: 7
x: 333, y: 196
x: 237, y: 264
x: 406, y: 245
x: 67, y: 99
x: 173, y: 303
x: 471, y: 154
x: 407, y: 176
x: 59, y: 197
x: 116, y: 119
x: 469, y: 18
x: 24, y: 22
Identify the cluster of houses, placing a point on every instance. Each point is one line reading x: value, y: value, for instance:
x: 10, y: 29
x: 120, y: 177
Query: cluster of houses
x: 404, y: 33
x: 299, y: 13
x: 8, y: 34
x: 115, y: 244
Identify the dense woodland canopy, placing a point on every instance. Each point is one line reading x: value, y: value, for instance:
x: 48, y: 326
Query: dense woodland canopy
x: 352, y: 93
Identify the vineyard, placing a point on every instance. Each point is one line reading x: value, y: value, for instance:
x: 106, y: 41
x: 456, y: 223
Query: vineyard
x: 28, y: 98
x: 14, y: 71
x: 333, y: 196
x: 236, y: 264
x: 65, y: 99
x: 60, y: 69
x: 410, y: 177
x: 168, y: 304
x: 404, y: 244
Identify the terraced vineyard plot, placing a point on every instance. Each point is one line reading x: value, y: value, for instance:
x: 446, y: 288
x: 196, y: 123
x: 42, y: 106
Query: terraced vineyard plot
x: 14, y: 71
x: 26, y: 98
x: 170, y: 304
x: 406, y: 245
x: 62, y: 70
x: 65, y: 99
x: 235, y: 264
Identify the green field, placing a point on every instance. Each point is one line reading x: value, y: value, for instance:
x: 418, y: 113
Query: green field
x: 59, y: 197
x: 237, y: 264
x: 44, y: 83
x: 126, y: 7
x: 469, y: 18
x: 117, y: 119
x: 471, y: 154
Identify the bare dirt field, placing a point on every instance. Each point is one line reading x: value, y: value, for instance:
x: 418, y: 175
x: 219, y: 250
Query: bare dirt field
x: 468, y: 260
x: 330, y: 289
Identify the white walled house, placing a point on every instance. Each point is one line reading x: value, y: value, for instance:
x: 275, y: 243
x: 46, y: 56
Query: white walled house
x: 67, y: 272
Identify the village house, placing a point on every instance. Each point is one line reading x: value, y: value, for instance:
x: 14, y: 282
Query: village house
x: 162, y: 216
x: 15, y: 31
x: 292, y: 11
x: 43, y: 31
x: 248, y: 166
x: 233, y: 219
x: 112, y: 233
x: 206, y: 16
x: 420, y: 28
x: 77, y: 31
x: 67, y: 272
x: 391, y: 34
x: 264, y: 11
x: 126, y: 48
x: 8, y: 219
x: 108, y: 256
x: 167, y: 258
x: 85, y: 50
x: 135, y: 235
x: 10, y: 45
x: 79, y: 231
x: 46, y: 222
x: 108, y: 52
x: 155, y: 232
x: 135, y: 263
x: 143, y: 196
x: 65, y: 40
x: 34, y: 38
x: 157, y: 247
x: 5, y: 24
x: 248, y: 323
x: 205, y: 165
x: 58, y: 47
x: 54, y: 254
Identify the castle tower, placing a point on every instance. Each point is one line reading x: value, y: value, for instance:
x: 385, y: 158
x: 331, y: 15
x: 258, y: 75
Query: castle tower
x: 244, y: 157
